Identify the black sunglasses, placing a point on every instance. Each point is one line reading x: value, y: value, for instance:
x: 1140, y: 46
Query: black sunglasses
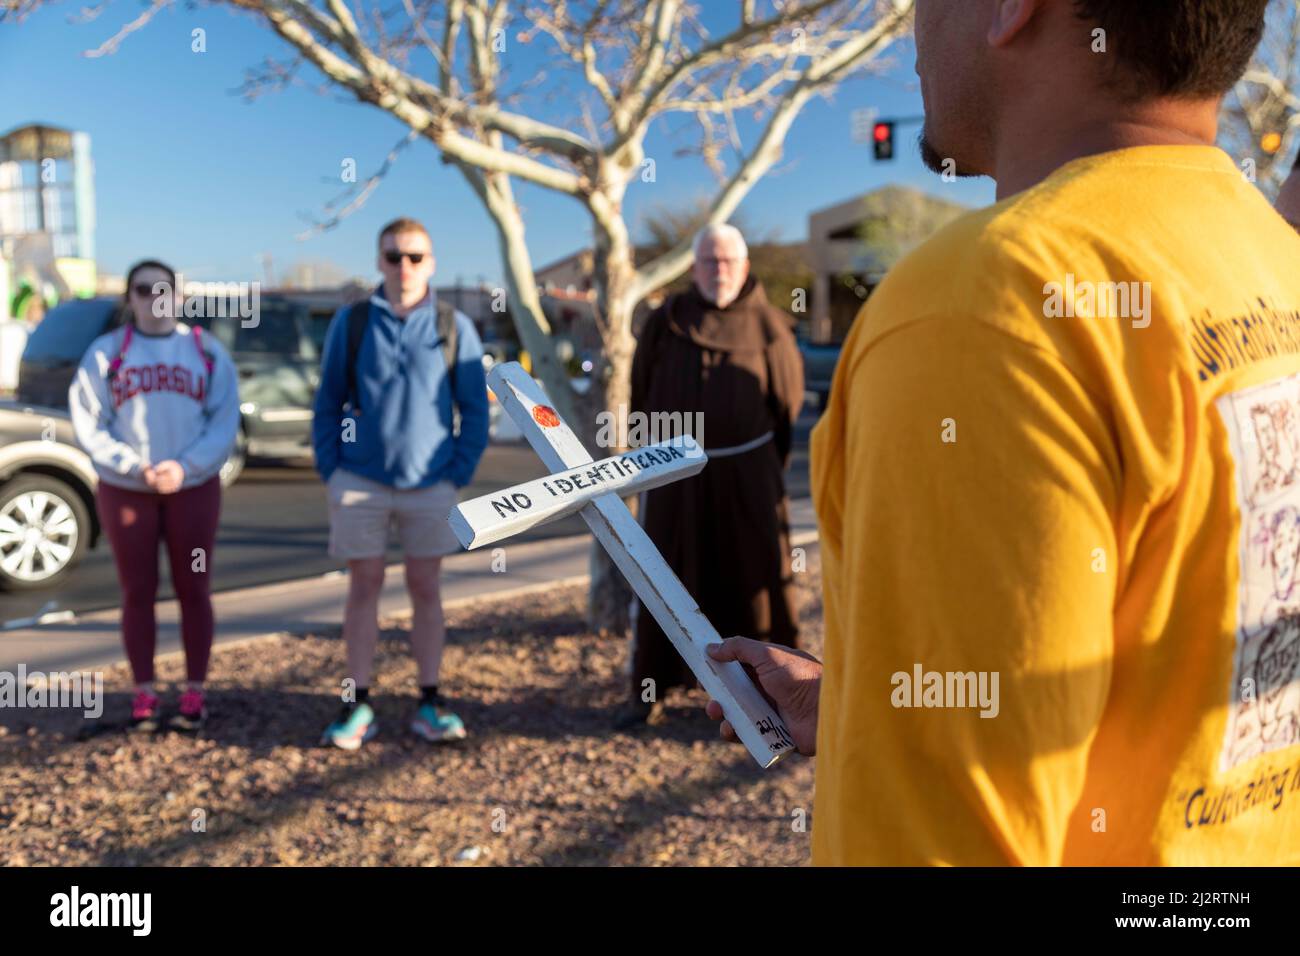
x: 396, y: 257
x: 144, y: 290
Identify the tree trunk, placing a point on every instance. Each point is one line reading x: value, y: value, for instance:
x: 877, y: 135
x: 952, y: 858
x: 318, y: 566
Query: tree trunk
x: 610, y: 596
x: 521, y: 288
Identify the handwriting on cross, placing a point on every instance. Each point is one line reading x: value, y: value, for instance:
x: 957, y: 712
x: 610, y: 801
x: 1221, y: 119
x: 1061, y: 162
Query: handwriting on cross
x: 594, y: 490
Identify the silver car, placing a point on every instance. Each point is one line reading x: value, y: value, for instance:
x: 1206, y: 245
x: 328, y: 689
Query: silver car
x: 47, y: 497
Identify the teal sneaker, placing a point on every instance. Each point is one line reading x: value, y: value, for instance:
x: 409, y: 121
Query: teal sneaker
x: 352, y: 728
x: 435, y: 723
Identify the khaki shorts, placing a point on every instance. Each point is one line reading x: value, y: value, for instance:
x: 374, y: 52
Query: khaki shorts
x: 361, y: 511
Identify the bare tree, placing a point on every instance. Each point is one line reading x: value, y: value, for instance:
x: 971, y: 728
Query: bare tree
x: 1261, y: 116
x: 441, y: 69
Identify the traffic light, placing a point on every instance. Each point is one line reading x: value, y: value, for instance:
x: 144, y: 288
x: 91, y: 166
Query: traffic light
x: 883, y: 139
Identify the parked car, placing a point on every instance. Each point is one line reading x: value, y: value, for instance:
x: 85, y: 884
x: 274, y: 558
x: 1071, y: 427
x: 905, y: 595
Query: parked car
x: 818, y: 368
x: 276, y: 359
x: 47, y: 498
x: 322, y: 305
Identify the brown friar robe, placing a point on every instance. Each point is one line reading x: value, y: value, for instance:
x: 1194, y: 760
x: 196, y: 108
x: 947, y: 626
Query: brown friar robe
x: 726, y: 531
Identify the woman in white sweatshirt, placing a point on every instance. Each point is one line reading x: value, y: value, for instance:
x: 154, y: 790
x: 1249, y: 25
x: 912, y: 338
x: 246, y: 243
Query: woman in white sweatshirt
x: 156, y: 406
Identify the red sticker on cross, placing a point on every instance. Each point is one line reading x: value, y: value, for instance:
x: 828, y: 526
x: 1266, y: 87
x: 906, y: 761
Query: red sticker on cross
x: 545, y: 416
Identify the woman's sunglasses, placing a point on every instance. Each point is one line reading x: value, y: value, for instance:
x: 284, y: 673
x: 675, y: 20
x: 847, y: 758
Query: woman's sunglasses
x: 395, y: 258
x: 145, y: 290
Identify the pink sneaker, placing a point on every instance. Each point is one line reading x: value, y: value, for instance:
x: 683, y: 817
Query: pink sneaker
x: 192, y: 713
x: 144, y: 713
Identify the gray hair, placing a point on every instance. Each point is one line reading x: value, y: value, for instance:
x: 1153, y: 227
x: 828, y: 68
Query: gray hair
x: 720, y: 230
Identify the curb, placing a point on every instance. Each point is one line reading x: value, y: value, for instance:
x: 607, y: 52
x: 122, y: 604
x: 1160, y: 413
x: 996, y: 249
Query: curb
x: 455, y: 603
x: 796, y: 541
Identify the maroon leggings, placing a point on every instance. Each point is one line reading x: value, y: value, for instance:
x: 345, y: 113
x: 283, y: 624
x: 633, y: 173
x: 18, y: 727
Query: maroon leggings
x: 134, y: 522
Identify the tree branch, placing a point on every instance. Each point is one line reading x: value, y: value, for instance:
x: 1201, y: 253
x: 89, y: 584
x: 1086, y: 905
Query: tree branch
x: 363, y: 191
x: 110, y: 46
x: 648, y: 89
x: 385, y: 86
x: 673, y: 263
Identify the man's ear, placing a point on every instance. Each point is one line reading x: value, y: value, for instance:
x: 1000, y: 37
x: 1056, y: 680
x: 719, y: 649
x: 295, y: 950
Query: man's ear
x: 1009, y: 18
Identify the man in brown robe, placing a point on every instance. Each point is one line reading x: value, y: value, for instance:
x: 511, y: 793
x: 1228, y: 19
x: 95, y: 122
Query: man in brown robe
x: 1288, y: 198
x: 720, y: 349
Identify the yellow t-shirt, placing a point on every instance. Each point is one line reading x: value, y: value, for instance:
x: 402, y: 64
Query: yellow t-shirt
x: 1058, y: 483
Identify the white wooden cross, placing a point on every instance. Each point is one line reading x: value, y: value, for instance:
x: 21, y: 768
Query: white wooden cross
x: 595, y: 490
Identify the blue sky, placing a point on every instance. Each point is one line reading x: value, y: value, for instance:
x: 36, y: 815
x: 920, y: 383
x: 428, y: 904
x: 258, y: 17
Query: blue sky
x: 188, y: 171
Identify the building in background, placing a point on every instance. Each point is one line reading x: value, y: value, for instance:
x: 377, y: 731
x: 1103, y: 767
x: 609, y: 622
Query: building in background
x: 47, y: 219
x: 822, y: 282
x: 852, y: 244
x: 565, y: 284
x: 570, y: 275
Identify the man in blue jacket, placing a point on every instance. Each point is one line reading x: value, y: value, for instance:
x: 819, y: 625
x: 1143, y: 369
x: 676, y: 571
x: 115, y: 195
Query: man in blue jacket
x: 396, y: 370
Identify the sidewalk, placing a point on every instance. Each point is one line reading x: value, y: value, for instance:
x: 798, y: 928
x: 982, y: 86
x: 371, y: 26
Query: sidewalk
x: 92, y: 640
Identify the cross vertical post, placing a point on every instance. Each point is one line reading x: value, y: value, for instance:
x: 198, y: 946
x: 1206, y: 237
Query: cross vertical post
x: 594, y: 489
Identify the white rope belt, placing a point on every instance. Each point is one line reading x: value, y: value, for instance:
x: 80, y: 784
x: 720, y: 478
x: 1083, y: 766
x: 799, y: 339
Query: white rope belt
x: 739, y: 449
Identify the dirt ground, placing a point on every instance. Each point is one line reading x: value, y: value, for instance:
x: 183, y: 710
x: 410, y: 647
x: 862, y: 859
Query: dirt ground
x: 542, y: 779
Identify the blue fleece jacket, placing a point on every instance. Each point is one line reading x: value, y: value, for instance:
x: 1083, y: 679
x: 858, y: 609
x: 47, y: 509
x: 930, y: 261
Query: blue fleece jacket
x: 403, y: 430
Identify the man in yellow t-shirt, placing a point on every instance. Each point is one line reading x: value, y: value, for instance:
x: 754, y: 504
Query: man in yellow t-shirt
x: 1058, y: 480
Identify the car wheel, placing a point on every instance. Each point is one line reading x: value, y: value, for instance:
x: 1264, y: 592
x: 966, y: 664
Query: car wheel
x: 234, y: 466
x: 44, y: 531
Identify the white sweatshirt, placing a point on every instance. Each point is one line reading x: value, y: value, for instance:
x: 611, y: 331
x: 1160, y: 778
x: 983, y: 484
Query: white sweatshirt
x: 162, y: 405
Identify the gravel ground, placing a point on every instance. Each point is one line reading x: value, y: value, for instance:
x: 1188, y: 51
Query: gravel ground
x: 541, y: 780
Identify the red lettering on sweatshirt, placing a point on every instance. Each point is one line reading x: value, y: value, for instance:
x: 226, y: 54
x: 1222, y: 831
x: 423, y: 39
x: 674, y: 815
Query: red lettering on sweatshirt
x: 134, y: 380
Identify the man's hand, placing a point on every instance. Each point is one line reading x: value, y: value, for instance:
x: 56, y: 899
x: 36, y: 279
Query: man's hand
x: 167, y: 477
x: 790, y: 680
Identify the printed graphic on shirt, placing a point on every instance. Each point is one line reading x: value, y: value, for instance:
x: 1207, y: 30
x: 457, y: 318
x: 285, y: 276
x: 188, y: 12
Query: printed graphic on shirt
x: 133, y: 380
x: 1221, y: 345
x: 1264, y: 700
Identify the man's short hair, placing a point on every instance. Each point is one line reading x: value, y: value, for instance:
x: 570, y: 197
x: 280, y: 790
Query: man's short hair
x: 1176, y: 48
x: 720, y: 230
x: 403, y: 224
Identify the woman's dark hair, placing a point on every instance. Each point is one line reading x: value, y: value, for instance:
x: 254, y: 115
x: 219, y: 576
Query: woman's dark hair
x: 139, y: 267
x: 125, y: 314
x: 1177, y: 48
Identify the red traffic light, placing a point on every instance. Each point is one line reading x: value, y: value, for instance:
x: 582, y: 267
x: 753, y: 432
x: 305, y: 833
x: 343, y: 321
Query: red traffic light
x: 883, y: 134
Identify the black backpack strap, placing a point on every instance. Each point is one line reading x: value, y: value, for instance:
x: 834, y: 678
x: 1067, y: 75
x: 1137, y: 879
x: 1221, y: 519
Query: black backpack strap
x: 358, y: 316
x: 449, y: 335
